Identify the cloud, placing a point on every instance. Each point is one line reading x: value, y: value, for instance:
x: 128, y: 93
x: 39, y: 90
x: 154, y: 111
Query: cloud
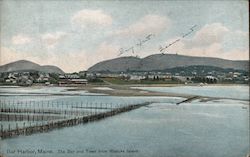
x: 91, y: 18
x: 105, y: 51
x: 212, y: 41
x: 69, y: 62
x: 154, y: 24
x: 236, y: 39
x: 209, y: 41
x: 213, y: 50
x: 208, y: 35
x: 8, y: 55
x: 21, y: 39
x: 51, y: 39
x: 83, y: 59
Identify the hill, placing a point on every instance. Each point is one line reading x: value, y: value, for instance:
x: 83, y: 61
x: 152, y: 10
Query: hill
x: 164, y: 61
x: 24, y: 65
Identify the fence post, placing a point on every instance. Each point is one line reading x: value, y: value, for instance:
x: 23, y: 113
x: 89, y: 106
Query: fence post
x: 95, y: 108
x: 42, y: 104
x: 91, y: 110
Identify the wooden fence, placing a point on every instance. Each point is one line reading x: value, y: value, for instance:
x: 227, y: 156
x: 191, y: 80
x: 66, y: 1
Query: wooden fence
x: 28, y: 119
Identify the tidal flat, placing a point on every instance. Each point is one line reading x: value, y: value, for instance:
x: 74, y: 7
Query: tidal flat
x: 207, y: 126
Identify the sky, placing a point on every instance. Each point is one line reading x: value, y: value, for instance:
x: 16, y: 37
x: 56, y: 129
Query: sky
x: 75, y: 35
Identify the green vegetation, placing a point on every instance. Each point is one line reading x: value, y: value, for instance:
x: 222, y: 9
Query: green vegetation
x: 204, y: 80
x: 125, y: 81
x: 96, y: 81
x: 54, y: 78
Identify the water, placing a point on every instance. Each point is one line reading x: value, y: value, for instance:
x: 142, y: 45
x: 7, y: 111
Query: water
x: 216, y: 128
x: 234, y: 91
x: 42, y: 91
x: 103, y: 88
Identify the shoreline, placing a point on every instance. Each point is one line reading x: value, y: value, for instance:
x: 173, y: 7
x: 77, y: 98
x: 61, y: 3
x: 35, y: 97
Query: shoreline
x: 115, y: 90
x: 125, y: 85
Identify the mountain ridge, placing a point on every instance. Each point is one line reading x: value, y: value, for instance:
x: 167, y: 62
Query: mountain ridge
x: 25, y: 65
x: 164, y: 61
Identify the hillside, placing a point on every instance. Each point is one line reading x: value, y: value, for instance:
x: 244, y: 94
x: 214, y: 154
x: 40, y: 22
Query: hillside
x: 118, y: 64
x: 24, y: 65
x: 164, y: 61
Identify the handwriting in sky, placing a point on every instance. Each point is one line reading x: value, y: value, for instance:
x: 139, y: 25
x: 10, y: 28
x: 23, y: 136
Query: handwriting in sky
x: 177, y: 40
x: 140, y: 43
